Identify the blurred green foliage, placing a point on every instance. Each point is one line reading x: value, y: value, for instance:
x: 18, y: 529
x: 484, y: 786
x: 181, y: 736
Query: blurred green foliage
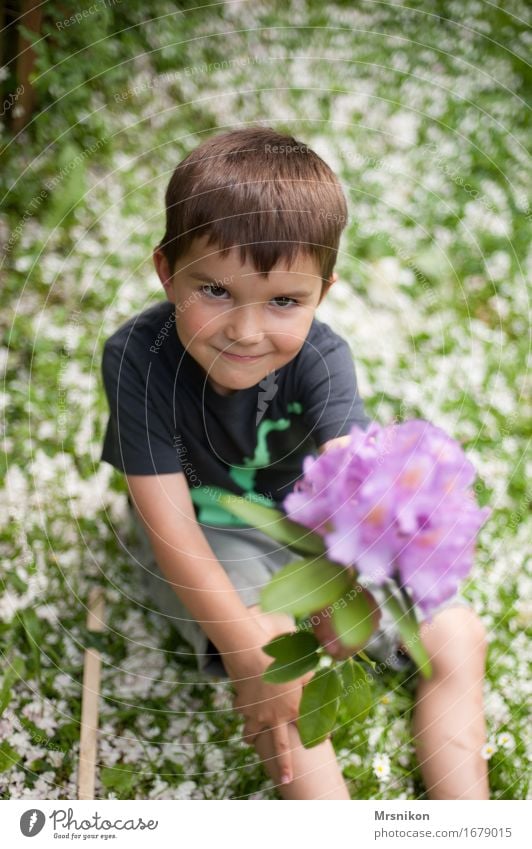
x: 85, y: 60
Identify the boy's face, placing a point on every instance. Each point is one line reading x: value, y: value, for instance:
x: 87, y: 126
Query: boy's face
x: 237, y: 325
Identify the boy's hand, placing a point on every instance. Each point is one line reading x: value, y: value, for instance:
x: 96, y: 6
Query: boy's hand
x: 266, y: 706
x: 325, y: 633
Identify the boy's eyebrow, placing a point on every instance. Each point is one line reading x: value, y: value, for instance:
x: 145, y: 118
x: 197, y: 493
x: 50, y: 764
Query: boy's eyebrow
x: 299, y: 293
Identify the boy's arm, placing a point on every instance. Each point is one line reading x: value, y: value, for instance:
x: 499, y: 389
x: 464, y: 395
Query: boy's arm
x: 186, y: 559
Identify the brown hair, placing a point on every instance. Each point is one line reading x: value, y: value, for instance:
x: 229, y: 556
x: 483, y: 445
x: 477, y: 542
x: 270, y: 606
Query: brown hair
x: 261, y: 191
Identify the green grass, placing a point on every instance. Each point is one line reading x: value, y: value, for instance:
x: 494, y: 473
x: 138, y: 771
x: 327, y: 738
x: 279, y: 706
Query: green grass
x: 423, y: 121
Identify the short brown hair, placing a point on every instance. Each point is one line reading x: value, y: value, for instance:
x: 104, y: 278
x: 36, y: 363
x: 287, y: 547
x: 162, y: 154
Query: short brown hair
x: 261, y: 191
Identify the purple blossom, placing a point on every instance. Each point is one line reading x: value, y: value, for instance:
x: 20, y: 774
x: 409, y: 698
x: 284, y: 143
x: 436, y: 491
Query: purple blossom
x: 394, y: 501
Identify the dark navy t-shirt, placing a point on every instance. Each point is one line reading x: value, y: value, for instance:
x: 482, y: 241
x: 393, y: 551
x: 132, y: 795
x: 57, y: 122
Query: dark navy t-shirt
x: 165, y: 416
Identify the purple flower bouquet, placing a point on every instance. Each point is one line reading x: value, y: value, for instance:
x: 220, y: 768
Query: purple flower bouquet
x: 388, y: 504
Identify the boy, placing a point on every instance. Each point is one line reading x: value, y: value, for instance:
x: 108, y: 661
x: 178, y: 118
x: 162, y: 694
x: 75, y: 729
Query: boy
x: 229, y: 383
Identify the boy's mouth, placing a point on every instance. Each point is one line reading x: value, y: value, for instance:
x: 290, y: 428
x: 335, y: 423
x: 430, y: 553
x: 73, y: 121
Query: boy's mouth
x: 242, y: 359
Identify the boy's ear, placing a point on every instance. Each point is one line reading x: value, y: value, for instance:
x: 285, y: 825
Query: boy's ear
x: 326, y: 286
x: 163, y: 272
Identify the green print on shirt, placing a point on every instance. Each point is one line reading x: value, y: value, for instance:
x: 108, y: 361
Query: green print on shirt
x: 206, y: 498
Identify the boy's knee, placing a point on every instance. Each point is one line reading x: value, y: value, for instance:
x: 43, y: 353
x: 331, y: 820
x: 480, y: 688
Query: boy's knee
x: 470, y: 631
x: 478, y: 636
x: 456, y: 639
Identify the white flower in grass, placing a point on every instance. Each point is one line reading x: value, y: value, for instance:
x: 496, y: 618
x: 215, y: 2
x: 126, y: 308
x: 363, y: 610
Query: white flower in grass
x: 505, y: 740
x: 159, y: 789
x: 381, y: 766
x: 185, y: 790
x: 496, y: 707
x: 214, y: 760
x: 488, y: 750
x: 374, y: 735
x: 55, y: 757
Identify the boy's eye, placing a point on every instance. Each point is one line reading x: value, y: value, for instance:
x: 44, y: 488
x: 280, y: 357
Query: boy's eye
x: 288, y: 302
x: 213, y: 290
x: 217, y: 293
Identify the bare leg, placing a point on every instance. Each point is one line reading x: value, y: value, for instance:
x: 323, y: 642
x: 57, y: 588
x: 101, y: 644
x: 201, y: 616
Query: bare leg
x: 316, y: 771
x: 448, y: 724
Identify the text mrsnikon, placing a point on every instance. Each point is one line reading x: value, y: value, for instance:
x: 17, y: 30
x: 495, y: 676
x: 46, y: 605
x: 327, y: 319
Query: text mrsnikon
x: 406, y: 815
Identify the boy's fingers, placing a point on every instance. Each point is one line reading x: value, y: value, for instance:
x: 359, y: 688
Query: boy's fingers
x: 251, y: 731
x: 281, y: 746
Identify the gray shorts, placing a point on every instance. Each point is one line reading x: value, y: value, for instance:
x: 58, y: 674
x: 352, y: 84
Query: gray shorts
x: 250, y: 559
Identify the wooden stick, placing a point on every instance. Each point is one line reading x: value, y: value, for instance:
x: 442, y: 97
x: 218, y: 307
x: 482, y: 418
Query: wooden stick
x: 90, y: 700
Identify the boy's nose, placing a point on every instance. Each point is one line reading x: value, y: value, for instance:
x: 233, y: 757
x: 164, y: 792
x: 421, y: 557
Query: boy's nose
x: 244, y: 326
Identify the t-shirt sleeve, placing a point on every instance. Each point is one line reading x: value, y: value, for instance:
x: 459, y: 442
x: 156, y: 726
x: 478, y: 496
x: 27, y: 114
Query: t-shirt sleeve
x: 137, y: 440
x: 328, y: 390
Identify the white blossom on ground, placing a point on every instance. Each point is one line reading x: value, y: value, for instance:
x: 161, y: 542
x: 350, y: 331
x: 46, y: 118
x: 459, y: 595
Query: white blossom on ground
x: 505, y: 741
x: 381, y: 766
x: 488, y: 750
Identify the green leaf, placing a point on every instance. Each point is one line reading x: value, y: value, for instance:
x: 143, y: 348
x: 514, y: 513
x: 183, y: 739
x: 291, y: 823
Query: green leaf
x: 98, y: 640
x: 304, y: 587
x: 363, y: 656
x: 318, y: 707
x: 14, y: 671
x: 17, y: 582
x: 71, y: 188
x: 409, y: 631
x: 119, y: 779
x: 67, y: 734
x: 32, y: 624
x: 31, y: 36
x: 352, y: 620
x: 356, y: 693
x: 5, y: 697
x: 295, y: 653
x: 292, y: 646
x: 8, y: 756
x: 32, y: 629
x: 280, y: 671
x: 274, y: 524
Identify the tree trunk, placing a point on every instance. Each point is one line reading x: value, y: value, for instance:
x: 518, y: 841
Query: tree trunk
x: 31, y: 18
